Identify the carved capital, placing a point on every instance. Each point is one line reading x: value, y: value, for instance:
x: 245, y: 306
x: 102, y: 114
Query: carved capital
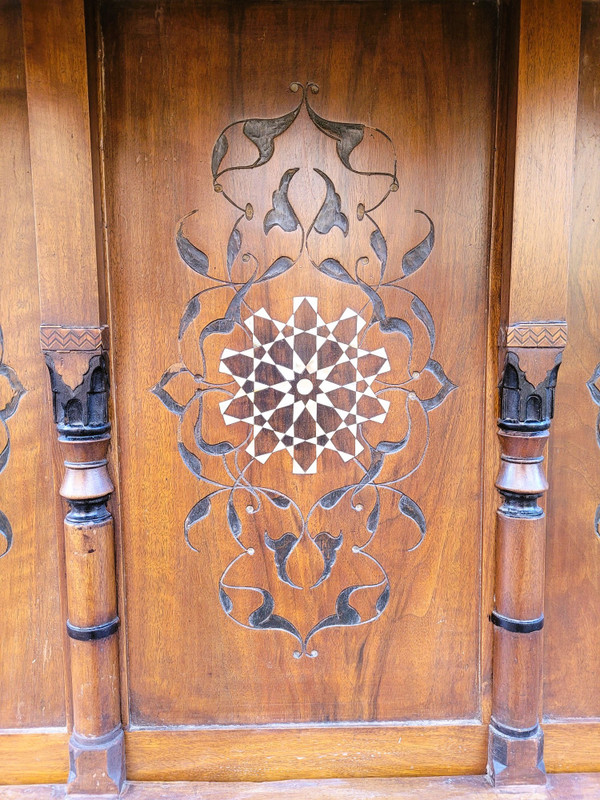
x: 525, y: 405
x: 79, y: 384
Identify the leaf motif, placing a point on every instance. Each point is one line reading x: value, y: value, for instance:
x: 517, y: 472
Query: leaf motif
x: 17, y: 392
x: 191, y: 461
x: 225, y: 600
x: 415, y: 258
x: 199, y: 512
x: 379, y: 245
x: 332, y: 498
x: 233, y: 519
x: 279, y: 500
x: 593, y: 389
x: 410, y: 509
x: 6, y: 533
x: 218, y: 154
x: 328, y: 545
x: 281, y: 549
x: 264, y: 618
x: 233, y: 246
x: 421, y: 312
x: 383, y: 600
x: 278, y: 267
x: 282, y: 213
x: 163, y: 395
x: 5, y: 452
x: 397, y: 325
x: 218, y: 449
x: 333, y: 269
x: 194, y: 258
x: 345, y: 614
x: 330, y: 214
x: 347, y: 134
x: 373, y: 518
x: 189, y: 315
x: 263, y: 132
x: 446, y: 385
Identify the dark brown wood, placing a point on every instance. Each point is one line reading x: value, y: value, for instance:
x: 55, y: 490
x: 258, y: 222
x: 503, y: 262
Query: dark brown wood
x: 542, y: 65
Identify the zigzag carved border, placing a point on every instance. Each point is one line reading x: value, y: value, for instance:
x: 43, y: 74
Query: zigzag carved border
x: 537, y: 334
x: 65, y: 339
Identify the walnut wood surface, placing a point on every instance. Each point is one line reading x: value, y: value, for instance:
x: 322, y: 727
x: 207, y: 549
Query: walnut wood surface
x: 223, y: 673
x: 560, y: 787
x: 31, y: 634
x: 572, y: 636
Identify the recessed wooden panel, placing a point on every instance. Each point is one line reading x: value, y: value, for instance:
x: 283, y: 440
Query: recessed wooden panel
x: 299, y: 356
x: 31, y: 649
x: 572, y: 637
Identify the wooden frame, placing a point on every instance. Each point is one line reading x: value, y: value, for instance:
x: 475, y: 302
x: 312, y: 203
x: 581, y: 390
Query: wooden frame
x: 531, y: 220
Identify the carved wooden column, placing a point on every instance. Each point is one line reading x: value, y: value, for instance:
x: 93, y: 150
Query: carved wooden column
x: 74, y: 342
x: 537, y: 216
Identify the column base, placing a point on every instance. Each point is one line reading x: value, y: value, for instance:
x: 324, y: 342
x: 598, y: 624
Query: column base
x: 516, y: 759
x: 97, y: 763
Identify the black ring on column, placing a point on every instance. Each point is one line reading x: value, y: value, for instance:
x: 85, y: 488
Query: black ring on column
x: 94, y: 632
x: 517, y: 625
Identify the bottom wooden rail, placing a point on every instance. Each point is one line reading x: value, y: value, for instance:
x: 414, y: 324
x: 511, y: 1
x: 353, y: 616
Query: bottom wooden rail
x: 559, y: 787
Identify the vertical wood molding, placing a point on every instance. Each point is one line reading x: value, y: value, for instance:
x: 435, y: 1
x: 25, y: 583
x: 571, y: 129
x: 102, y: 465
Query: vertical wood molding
x: 74, y: 343
x: 543, y: 74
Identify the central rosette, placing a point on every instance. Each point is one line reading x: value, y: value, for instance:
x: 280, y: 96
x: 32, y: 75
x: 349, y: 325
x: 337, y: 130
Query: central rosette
x: 304, y: 385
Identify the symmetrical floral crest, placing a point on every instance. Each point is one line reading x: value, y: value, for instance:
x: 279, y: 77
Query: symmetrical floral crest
x: 342, y: 395
x: 11, y: 392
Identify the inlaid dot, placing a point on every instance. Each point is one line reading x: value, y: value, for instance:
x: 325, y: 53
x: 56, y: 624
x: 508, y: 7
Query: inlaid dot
x: 304, y: 386
x: 250, y: 509
x: 250, y: 551
x: 355, y: 549
x: 358, y: 507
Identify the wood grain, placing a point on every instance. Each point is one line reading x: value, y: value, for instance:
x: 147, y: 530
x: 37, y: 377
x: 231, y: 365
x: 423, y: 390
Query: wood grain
x: 222, y: 676
x: 572, y: 637
x: 33, y: 757
x: 31, y: 635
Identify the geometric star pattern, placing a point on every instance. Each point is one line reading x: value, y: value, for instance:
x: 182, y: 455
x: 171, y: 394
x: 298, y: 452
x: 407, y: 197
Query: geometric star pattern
x: 305, y: 385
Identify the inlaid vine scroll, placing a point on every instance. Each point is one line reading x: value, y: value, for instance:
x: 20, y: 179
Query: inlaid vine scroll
x: 305, y: 404
x: 11, y: 392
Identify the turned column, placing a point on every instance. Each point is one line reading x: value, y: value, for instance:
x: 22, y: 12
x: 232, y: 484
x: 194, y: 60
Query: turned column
x: 79, y: 380
x: 64, y: 169
x: 534, y: 175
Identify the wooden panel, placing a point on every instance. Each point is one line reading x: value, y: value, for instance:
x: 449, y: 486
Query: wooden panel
x: 33, y: 757
x: 59, y: 112
x: 189, y: 663
x: 560, y: 787
x: 572, y: 637
x: 272, y: 753
x: 31, y: 645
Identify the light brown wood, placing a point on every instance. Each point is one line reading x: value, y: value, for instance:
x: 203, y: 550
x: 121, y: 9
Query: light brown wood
x: 546, y: 97
x: 33, y: 757
x: 32, y: 682
x: 59, y: 130
x: 560, y: 787
x: 572, y: 634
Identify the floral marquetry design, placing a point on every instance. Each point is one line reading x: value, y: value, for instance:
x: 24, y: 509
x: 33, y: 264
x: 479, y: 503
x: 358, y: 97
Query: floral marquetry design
x: 306, y: 375
x: 305, y: 385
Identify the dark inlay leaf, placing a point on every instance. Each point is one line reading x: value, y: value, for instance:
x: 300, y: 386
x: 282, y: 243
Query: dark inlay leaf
x: 218, y: 449
x: 194, y: 258
x: 264, y: 618
x: 191, y: 461
x: 373, y: 518
x: 334, y: 269
x: 189, y: 315
x: 278, y: 267
x: 397, y: 325
x: 233, y: 246
x: 446, y: 385
x: 225, y: 600
x: 422, y: 312
x: 380, y: 247
x: 331, y: 499
x: 279, y: 500
x: 416, y: 257
x: 233, y: 519
x: 345, y: 614
x: 163, y: 395
x: 5, y: 532
x: 281, y: 549
x: 263, y: 132
x: 328, y: 545
x: 330, y: 214
x: 199, y: 512
x: 282, y: 213
x: 218, y: 154
x: 347, y: 134
x: 410, y: 509
x: 4, y: 454
x: 383, y: 599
